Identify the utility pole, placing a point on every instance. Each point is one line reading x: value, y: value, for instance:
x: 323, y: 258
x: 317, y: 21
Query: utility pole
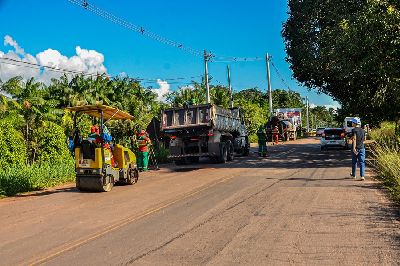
x: 230, y: 87
x: 206, y: 59
x: 269, y: 88
x: 308, y: 120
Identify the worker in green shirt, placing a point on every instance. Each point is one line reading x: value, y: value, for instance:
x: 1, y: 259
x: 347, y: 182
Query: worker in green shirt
x: 262, y: 142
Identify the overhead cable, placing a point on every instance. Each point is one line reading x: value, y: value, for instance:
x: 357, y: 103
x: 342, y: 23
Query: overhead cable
x: 139, y: 29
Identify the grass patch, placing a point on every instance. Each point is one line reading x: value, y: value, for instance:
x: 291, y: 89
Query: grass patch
x: 15, y: 180
x: 387, y: 164
x: 386, y: 157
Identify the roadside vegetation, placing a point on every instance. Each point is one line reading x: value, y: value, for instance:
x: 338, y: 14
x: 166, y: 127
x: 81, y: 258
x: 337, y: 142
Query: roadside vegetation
x: 386, y: 157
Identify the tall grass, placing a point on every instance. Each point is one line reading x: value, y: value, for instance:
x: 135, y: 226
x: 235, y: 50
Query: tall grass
x: 35, y: 177
x: 386, y: 157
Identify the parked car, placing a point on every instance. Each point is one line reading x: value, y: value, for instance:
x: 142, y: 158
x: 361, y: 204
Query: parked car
x: 320, y: 131
x: 334, y: 137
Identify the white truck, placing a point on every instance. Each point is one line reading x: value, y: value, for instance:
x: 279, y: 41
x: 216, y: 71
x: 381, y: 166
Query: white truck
x: 348, y: 125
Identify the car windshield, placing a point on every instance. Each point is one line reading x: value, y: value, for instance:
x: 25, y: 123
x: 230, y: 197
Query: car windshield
x: 320, y: 128
x: 349, y: 124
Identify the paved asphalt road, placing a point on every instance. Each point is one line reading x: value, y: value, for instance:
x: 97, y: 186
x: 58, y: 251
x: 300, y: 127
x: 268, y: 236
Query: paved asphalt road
x: 295, y: 207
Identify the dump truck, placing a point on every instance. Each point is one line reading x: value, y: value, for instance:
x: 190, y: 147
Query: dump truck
x: 287, y: 131
x: 204, y: 131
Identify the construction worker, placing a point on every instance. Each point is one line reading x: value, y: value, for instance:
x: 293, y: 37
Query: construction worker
x: 275, y: 134
x: 143, y: 150
x: 94, y: 135
x: 262, y: 141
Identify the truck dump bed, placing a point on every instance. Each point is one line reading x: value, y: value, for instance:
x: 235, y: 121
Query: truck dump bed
x: 210, y: 116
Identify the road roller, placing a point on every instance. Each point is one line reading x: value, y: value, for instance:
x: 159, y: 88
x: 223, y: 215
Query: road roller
x: 99, y: 163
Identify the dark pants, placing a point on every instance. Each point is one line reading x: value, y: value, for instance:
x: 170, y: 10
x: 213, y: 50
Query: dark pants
x: 262, y: 148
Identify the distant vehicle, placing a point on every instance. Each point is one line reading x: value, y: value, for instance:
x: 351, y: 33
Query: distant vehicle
x: 348, y: 125
x: 334, y: 137
x: 320, y: 131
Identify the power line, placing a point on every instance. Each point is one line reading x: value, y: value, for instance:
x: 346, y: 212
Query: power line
x: 142, y: 31
x: 20, y: 63
x: 280, y: 76
x: 139, y: 29
x: 236, y: 59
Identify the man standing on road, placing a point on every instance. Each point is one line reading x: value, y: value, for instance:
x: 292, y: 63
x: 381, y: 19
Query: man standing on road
x: 358, y: 151
x: 262, y: 141
x: 275, y: 134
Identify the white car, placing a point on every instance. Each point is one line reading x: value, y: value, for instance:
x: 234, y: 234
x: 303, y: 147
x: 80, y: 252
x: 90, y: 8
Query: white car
x: 333, y: 137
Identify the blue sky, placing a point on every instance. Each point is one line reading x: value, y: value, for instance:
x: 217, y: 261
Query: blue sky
x: 226, y: 28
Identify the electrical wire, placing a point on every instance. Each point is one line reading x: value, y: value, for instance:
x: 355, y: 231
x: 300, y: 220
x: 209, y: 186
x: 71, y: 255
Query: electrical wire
x: 139, y: 29
x: 236, y: 59
x: 20, y: 63
x: 280, y: 76
x: 15, y: 62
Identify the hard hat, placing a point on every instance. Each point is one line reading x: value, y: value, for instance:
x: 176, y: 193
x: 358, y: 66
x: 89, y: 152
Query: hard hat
x: 356, y: 121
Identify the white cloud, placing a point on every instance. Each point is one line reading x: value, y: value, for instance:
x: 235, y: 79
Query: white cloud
x: 10, y: 41
x: 189, y: 87
x: 163, y: 90
x: 327, y: 106
x: 88, y: 61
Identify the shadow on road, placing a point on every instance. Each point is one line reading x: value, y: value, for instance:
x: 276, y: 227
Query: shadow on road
x: 290, y: 156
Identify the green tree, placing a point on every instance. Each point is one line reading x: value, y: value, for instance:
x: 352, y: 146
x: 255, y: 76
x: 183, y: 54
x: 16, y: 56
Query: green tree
x: 348, y: 50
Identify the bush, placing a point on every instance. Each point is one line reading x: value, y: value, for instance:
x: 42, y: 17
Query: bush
x: 387, y: 164
x: 386, y: 155
x: 52, y: 145
x: 12, y: 147
x: 253, y: 138
x: 15, y: 180
x: 162, y: 155
x: 385, y: 134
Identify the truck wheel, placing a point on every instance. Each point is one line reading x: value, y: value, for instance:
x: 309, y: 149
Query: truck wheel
x: 231, y: 151
x: 223, y: 157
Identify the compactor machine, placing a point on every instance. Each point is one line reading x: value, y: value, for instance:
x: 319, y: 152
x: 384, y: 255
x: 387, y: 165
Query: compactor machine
x: 100, y: 164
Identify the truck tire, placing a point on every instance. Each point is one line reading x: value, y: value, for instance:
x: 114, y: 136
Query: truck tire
x: 246, y: 151
x: 223, y: 154
x: 231, y: 151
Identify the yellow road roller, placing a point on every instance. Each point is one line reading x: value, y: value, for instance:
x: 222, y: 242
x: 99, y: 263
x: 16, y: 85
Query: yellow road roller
x: 99, y: 164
